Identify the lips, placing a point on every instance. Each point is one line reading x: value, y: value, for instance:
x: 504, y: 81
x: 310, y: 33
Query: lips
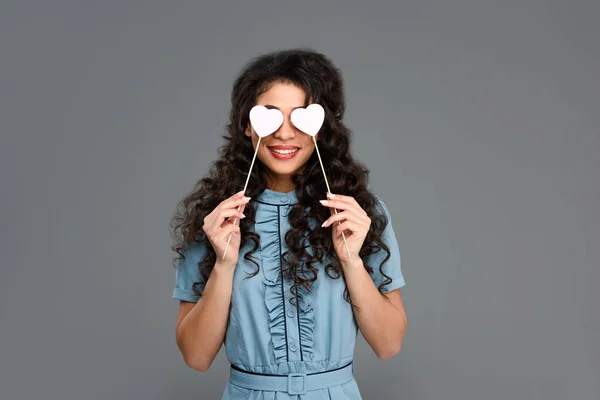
x: 283, y: 147
x: 283, y: 152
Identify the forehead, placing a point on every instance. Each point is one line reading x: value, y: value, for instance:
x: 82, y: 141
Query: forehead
x: 285, y: 96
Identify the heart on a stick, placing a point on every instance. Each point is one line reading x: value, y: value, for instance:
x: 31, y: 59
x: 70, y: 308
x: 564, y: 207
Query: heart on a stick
x: 310, y: 119
x: 265, y: 121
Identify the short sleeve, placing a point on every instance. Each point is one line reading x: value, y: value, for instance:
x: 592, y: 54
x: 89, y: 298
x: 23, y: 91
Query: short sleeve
x: 392, y: 267
x: 187, y: 273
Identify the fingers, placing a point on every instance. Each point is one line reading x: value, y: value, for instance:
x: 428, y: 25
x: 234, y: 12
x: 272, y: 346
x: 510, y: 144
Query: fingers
x: 347, y: 214
x: 352, y: 218
x: 236, y: 200
x: 341, y: 216
x: 226, y: 209
x: 239, y: 215
x: 341, y: 197
x: 228, y: 217
x: 343, y: 202
x: 219, y: 224
x: 222, y: 236
x: 358, y: 223
x: 346, y: 226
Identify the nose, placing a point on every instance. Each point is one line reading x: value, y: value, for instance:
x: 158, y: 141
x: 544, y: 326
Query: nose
x: 287, y: 130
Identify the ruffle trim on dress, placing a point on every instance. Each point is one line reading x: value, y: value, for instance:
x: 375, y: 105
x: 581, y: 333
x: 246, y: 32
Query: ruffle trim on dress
x: 307, y: 324
x: 276, y: 308
x: 275, y: 301
x: 276, y: 311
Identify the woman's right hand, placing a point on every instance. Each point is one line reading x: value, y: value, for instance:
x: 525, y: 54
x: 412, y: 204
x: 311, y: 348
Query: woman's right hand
x: 218, y: 225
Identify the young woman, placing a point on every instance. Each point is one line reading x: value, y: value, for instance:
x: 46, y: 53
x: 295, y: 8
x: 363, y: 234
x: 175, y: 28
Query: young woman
x: 287, y: 299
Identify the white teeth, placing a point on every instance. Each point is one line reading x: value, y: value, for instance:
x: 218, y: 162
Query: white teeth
x: 284, y: 151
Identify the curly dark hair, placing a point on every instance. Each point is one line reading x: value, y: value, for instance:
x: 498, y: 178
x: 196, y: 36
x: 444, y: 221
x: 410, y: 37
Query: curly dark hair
x: 322, y: 83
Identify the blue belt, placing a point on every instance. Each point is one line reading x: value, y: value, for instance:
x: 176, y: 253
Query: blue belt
x: 292, y: 383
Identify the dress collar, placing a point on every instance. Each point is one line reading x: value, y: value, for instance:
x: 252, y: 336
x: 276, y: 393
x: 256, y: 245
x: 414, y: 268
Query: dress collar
x: 278, y: 198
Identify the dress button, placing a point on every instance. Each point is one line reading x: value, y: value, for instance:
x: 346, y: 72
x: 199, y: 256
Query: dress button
x: 293, y: 347
x: 284, y: 199
x: 291, y: 312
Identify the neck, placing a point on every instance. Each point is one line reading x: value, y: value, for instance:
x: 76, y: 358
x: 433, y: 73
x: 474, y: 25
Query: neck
x: 280, y: 184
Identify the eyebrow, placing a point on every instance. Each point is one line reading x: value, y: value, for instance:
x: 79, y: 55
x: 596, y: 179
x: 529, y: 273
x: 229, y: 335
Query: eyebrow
x: 270, y: 107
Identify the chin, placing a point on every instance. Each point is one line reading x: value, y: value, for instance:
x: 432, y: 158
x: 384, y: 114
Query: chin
x: 280, y: 171
x: 280, y: 167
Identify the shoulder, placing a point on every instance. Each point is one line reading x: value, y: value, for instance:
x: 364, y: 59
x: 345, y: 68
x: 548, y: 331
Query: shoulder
x: 188, y: 272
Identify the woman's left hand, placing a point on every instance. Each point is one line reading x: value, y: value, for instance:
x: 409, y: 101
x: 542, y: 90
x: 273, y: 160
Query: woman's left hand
x: 352, y: 220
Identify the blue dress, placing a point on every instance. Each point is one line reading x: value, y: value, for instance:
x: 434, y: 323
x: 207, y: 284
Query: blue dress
x: 266, y: 334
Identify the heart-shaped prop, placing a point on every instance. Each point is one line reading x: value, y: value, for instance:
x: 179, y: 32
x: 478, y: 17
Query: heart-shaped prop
x: 265, y: 121
x: 310, y: 119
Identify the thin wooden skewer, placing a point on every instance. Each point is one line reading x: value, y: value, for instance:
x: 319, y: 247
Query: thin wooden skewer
x: 329, y: 191
x: 245, y: 186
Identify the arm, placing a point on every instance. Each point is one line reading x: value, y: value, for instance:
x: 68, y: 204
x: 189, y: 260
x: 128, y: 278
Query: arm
x: 201, y: 326
x: 381, y: 318
x: 202, y: 320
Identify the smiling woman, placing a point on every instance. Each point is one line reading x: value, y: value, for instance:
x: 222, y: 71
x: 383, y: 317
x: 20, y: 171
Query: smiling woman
x: 288, y: 298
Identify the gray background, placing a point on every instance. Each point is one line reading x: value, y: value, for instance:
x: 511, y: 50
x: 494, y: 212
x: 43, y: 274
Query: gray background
x: 479, y: 122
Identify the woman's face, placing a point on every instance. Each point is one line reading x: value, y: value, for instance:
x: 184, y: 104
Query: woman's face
x: 274, y: 150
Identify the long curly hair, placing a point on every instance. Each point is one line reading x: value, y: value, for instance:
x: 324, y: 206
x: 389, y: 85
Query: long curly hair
x: 322, y: 83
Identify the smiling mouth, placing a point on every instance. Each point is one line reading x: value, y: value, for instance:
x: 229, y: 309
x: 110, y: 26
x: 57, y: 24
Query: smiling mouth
x: 284, y: 151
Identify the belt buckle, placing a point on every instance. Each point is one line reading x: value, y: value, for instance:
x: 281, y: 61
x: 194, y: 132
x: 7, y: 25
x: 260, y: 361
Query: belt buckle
x: 289, y: 382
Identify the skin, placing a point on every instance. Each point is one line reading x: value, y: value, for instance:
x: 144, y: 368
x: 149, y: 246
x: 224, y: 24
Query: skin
x: 286, y: 97
x: 201, y: 326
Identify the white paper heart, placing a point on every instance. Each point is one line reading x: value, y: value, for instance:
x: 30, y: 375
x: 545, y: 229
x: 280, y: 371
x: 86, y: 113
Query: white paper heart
x: 265, y: 121
x: 310, y: 119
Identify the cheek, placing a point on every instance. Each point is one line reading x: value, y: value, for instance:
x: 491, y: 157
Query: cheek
x: 263, y: 152
x: 309, y: 145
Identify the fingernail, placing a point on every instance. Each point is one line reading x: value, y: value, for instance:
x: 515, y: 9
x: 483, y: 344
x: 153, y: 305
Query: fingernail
x: 246, y: 198
x: 324, y: 224
x: 331, y: 195
x: 323, y: 201
x: 240, y: 193
x: 242, y: 215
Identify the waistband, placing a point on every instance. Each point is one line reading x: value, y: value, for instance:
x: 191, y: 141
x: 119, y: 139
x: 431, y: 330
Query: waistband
x: 292, y: 383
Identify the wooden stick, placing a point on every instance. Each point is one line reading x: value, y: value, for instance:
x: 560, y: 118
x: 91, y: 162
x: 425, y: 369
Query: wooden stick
x: 329, y: 191
x: 245, y: 186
